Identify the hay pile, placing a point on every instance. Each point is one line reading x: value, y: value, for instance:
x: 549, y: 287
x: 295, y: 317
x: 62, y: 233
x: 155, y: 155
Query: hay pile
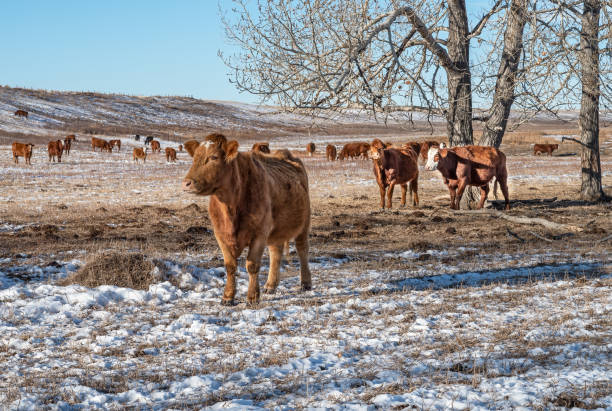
x: 130, y: 270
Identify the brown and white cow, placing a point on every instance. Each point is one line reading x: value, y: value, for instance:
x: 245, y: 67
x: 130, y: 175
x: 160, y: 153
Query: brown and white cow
x: 261, y: 147
x: 170, y: 155
x: 139, y: 154
x: 425, y: 146
x: 544, y: 148
x: 256, y: 200
x: 155, y: 146
x: 55, y: 149
x: 395, y: 166
x: 190, y: 146
x: 330, y: 152
x: 21, y: 113
x: 469, y: 166
x: 115, y: 143
x: 22, y: 150
x: 310, y: 149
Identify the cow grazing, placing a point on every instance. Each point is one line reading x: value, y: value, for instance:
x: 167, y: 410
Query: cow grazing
x: 261, y: 147
x: 67, y: 145
x: 100, y: 143
x: 22, y: 150
x: 469, y: 166
x: 115, y: 143
x: 330, y: 152
x: 544, y: 148
x: 395, y: 166
x: 180, y: 148
x: 140, y: 154
x: 21, y: 113
x: 190, y: 146
x: 255, y: 200
x: 170, y: 154
x: 55, y: 149
x: 148, y: 140
x: 310, y: 148
x: 354, y: 150
x: 155, y: 146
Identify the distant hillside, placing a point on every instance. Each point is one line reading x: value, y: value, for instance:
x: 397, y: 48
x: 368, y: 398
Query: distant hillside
x: 56, y: 113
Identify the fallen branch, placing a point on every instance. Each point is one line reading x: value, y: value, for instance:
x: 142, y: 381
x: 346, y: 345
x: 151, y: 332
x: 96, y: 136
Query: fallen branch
x: 510, y: 233
x: 540, y: 237
x: 604, y: 239
x: 521, y: 220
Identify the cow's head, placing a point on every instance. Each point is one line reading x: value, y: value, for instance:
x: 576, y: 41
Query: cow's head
x: 433, y: 156
x: 212, y: 161
x: 376, y: 148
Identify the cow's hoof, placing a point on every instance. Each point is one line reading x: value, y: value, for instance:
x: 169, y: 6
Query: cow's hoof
x: 269, y: 290
x: 306, y: 287
x: 228, y: 303
x: 252, y: 303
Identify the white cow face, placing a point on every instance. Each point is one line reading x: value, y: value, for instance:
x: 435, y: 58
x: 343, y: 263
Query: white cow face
x: 432, y: 159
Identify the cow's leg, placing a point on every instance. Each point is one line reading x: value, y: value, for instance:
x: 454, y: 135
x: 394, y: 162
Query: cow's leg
x: 503, y: 184
x: 230, y: 270
x: 484, y: 192
x: 390, y: 195
x: 461, y: 184
x: 301, y: 244
x: 414, y: 191
x: 276, y: 256
x: 453, y: 193
x: 404, y: 189
x: 252, y: 265
x: 382, y: 190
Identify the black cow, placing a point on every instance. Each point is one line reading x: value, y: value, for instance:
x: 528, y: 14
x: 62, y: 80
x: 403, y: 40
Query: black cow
x: 148, y: 140
x: 137, y: 137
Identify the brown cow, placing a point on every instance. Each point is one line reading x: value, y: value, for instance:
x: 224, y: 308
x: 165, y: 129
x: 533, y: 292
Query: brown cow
x: 310, y: 148
x: 544, y: 148
x: 21, y: 113
x: 190, y: 146
x: 330, y: 152
x: 395, y: 166
x: 140, y: 154
x: 469, y: 166
x: 55, y: 149
x: 155, y: 146
x: 22, y: 150
x: 261, y: 147
x: 99, y: 143
x: 71, y: 137
x: 255, y: 200
x: 170, y: 154
x: 67, y: 145
x: 353, y: 150
x: 114, y: 143
x: 180, y: 148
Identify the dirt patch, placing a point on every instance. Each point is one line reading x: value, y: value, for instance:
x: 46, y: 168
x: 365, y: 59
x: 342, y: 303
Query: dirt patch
x: 131, y: 270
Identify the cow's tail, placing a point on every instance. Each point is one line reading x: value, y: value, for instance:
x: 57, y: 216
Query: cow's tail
x: 495, y: 188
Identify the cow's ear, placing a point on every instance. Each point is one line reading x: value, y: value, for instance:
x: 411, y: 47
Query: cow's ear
x: 231, y: 150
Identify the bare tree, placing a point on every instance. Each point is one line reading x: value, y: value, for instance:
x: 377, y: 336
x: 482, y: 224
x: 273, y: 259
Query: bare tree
x: 382, y: 56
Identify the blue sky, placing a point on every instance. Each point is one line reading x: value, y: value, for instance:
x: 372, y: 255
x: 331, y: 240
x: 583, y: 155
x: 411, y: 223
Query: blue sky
x: 136, y: 47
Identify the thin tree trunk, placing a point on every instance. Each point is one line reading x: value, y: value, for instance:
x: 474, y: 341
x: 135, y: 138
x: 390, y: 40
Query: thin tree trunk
x: 591, y: 188
x: 459, y: 114
x: 495, y: 125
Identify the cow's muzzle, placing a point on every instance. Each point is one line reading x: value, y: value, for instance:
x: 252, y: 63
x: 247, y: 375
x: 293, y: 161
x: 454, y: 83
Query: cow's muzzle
x: 189, y: 185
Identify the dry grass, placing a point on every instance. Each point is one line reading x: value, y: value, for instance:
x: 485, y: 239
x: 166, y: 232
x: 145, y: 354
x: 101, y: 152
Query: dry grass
x: 130, y: 270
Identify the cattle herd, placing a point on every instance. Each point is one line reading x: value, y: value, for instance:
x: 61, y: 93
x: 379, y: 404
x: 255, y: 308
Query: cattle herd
x: 261, y: 198
x: 57, y: 148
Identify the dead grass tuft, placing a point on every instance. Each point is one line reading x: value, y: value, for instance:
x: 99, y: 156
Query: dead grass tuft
x: 131, y: 270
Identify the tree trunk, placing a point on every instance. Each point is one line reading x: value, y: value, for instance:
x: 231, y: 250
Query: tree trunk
x: 495, y: 125
x: 591, y: 189
x: 459, y: 114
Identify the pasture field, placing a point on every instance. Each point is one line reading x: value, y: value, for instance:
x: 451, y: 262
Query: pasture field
x: 422, y: 307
